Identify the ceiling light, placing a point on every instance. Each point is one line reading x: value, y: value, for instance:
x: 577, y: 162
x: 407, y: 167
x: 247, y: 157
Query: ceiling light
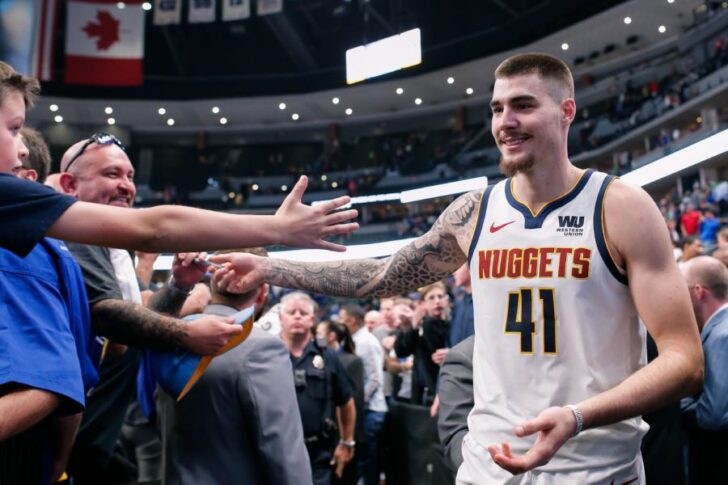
x: 254, y: 187
x: 58, y: 118
x: 628, y: 20
x: 284, y: 188
x: 564, y: 46
x: 418, y: 101
x: 147, y: 6
x: 231, y: 195
x: 348, y: 111
x: 450, y: 80
x: 670, y: 1
x: 53, y: 107
x: 400, y: 91
x: 215, y: 109
x: 661, y: 29
x: 161, y: 111
x: 108, y: 110
x: 282, y: 106
x: 294, y: 116
x: 111, y: 121
x: 170, y: 121
x: 323, y: 178
x: 334, y: 184
x: 335, y: 100
x: 121, y: 5
x: 469, y: 91
x: 223, y: 121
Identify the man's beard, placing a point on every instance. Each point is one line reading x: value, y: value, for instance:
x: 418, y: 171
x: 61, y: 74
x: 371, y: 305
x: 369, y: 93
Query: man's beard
x: 512, y: 166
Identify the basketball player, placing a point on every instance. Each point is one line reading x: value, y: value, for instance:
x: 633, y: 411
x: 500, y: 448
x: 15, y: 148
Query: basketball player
x: 562, y: 261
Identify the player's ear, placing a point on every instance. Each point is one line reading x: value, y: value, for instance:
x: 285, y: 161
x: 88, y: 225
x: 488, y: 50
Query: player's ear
x: 568, y: 110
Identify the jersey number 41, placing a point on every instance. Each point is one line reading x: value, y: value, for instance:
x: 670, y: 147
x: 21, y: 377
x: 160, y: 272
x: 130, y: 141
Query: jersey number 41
x: 519, y: 318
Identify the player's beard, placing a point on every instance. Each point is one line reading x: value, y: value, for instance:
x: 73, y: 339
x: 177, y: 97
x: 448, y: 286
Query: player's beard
x: 511, y: 166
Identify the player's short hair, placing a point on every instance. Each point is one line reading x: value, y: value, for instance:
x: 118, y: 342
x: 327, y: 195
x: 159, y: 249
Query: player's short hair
x: 545, y: 66
x: 39, y: 157
x: 11, y: 80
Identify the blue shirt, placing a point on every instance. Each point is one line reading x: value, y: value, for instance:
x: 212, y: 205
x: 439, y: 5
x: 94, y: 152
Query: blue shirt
x: 709, y: 230
x: 45, y: 337
x: 711, y: 405
x: 39, y: 206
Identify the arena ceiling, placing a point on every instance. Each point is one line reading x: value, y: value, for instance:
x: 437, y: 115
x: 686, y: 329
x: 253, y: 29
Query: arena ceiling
x: 303, y: 48
x: 247, y: 68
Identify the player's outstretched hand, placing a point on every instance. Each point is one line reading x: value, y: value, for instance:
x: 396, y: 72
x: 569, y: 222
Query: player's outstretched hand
x: 306, y: 227
x: 240, y: 272
x: 554, y: 427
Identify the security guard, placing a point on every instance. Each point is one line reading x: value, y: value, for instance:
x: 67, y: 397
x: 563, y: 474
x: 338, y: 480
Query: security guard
x: 321, y: 386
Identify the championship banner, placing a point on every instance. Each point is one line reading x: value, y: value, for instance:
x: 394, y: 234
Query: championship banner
x: 235, y: 9
x: 167, y: 12
x: 104, y: 43
x: 201, y: 11
x: 268, y: 7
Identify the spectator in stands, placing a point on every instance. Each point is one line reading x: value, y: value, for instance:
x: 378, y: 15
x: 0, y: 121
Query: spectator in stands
x: 48, y: 352
x: 721, y: 254
x: 373, y: 319
x: 338, y: 338
x: 691, y: 247
x: 370, y: 351
x: 400, y: 367
x: 690, y: 220
x: 103, y: 174
x: 428, y: 345
x: 240, y: 422
x: 462, y: 325
x: 706, y: 414
x: 709, y: 227
x: 321, y: 385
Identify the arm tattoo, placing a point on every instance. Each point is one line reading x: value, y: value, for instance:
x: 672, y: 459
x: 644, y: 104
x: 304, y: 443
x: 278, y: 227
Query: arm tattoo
x: 167, y: 301
x: 131, y: 324
x: 430, y: 258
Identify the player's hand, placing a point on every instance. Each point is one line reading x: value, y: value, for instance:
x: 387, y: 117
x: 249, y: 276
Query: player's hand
x: 435, y: 408
x: 306, y: 227
x: 186, y: 272
x: 554, y: 427
x: 208, y: 334
x: 342, y: 456
x: 419, y: 314
x: 240, y: 272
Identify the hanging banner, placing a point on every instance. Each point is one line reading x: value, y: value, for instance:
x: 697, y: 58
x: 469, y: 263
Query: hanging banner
x: 235, y: 9
x: 104, y: 43
x: 201, y: 11
x: 268, y: 7
x: 167, y: 12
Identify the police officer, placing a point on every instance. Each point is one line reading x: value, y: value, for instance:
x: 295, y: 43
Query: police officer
x: 321, y: 387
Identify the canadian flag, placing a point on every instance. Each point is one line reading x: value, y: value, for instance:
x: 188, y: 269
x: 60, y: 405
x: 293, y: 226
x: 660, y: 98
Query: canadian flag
x: 105, y: 43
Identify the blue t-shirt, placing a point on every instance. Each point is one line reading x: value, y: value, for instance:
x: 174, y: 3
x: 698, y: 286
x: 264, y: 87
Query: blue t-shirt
x: 40, y: 347
x: 709, y: 230
x: 27, y: 210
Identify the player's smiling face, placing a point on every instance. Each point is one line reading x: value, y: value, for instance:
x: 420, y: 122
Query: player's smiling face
x: 527, y: 121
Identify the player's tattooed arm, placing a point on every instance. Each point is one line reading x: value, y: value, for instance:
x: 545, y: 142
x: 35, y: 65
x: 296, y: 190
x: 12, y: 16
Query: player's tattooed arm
x: 430, y: 258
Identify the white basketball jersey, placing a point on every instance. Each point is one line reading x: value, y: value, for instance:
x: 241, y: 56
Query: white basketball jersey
x: 554, y: 321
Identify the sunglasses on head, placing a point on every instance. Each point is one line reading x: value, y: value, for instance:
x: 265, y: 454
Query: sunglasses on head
x: 99, y: 138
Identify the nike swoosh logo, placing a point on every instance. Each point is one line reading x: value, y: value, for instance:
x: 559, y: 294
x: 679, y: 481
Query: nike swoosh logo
x: 494, y: 228
x: 628, y: 481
